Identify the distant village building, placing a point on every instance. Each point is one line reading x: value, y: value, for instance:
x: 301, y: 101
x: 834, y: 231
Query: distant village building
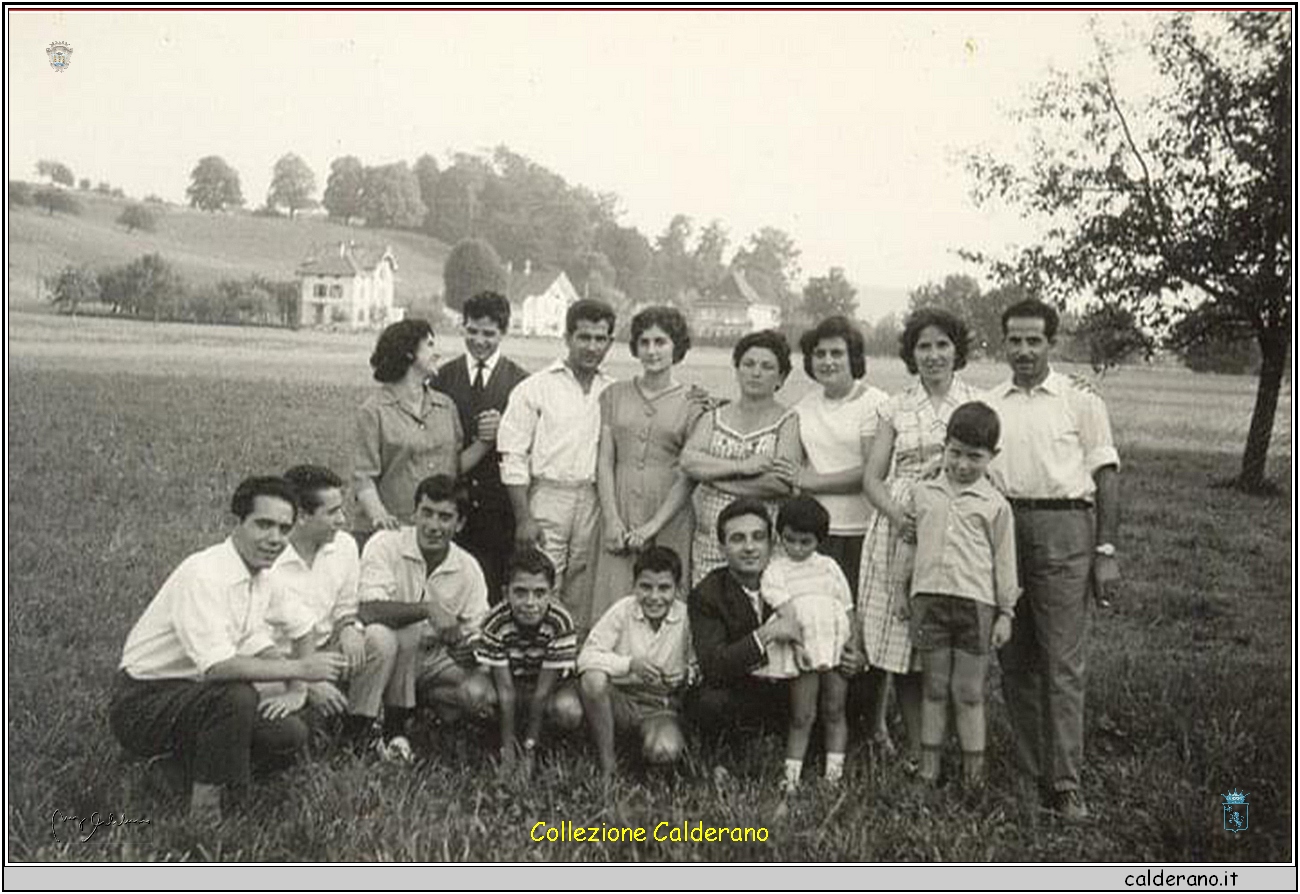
x: 539, y: 298
x: 348, y: 284
x: 732, y: 309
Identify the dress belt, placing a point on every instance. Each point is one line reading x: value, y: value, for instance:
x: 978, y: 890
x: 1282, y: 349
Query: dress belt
x: 1054, y: 504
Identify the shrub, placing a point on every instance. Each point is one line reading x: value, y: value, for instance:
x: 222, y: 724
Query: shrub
x: 19, y: 193
x: 53, y: 199
x: 137, y: 217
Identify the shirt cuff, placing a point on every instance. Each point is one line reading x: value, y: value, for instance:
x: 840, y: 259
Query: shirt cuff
x: 514, y: 470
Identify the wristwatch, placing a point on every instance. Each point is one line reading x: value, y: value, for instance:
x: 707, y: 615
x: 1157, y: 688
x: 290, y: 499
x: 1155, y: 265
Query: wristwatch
x: 1106, y: 549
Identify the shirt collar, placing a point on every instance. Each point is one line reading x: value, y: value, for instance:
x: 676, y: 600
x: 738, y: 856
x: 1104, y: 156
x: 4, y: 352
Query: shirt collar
x: 558, y: 365
x: 410, y: 548
x: 292, y: 556
x: 981, y: 487
x: 1051, y: 385
x: 433, y: 397
x: 675, y: 612
x: 233, y: 569
x: 488, y: 365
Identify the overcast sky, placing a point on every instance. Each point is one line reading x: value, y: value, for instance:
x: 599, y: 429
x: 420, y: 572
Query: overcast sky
x: 841, y: 128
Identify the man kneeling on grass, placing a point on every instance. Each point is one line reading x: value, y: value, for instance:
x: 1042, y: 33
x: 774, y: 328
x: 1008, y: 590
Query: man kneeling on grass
x: 190, y: 661
x: 527, y: 648
x: 431, y: 594
x: 636, y: 661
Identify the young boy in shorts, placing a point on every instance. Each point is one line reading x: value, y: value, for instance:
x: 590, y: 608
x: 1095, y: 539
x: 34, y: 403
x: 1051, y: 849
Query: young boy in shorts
x: 528, y: 645
x: 964, y: 587
x: 636, y: 661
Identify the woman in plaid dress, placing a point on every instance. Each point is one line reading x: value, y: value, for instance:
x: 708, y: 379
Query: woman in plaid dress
x: 906, y: 442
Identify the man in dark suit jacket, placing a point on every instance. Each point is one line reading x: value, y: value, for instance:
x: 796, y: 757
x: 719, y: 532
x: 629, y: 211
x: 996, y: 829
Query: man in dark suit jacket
x: 731, y: 626
x: 480, y: 382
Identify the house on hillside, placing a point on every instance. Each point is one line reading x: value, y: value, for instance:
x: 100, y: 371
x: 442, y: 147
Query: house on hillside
x: 539, y: 298
x: 732, y: 309
x: 348, y: 284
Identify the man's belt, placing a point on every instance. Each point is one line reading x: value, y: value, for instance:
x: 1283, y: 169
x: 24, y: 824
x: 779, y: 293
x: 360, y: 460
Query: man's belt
x: 1054, y: 505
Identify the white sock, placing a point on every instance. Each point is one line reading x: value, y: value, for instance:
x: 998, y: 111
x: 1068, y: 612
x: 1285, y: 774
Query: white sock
x: 834, y: 766
x: 793, y: 769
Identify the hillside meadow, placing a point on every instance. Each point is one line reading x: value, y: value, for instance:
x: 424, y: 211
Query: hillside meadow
x: 125, y: 440
x: 204, y: 248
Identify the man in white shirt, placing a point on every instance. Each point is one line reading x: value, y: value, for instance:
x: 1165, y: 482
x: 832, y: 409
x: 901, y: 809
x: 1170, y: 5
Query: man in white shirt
x: 187, y: 669
x: 1059, y: 469
x: 548, y: 440
x: 431, y: 595
x: 315, y: 587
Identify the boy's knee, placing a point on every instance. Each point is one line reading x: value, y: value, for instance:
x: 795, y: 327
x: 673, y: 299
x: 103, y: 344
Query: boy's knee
x: 967, y: 692
x: 235, y: 700
x: 803, y: 716
x: 381, y: 642
x: 478, y: 695
x: 934, y: 687
x: 594, y: 683
x: 566, y: 710
x: 663, y: 743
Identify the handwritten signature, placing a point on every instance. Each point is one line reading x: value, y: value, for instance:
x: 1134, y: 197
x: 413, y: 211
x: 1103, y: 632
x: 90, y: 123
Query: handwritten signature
x: 87, y: 826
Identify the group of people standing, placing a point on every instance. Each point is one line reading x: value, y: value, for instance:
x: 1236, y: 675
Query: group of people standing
x: 543, y: 548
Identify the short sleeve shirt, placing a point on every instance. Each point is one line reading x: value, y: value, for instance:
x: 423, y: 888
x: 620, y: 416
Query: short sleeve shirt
x: 324, y: 592
x: 527, y: 651
x: 831, y: 431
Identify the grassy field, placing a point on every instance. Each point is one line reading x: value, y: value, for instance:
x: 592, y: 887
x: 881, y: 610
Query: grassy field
x: 204, y: 248
x: 126, y: 439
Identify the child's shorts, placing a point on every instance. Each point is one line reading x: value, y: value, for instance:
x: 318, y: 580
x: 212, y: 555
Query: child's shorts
x: 940, y: 621
x: 633, y: 706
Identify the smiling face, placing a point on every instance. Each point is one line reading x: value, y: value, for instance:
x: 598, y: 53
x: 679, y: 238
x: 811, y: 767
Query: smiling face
x: 830, y: 364
x: 436, y: 523
x: 1028, y: 350
x: 654, y: 349
x: 263, y: 534
x: 747, y: 545
x: 482, y: 337
x: 655, y: 592
x: 963, y: 463
x: 529, y: 596
x: 934, y: 355
x: 426, y: 358
x: 758, y: 373
x: 321, y: 524
x: 588, y: 344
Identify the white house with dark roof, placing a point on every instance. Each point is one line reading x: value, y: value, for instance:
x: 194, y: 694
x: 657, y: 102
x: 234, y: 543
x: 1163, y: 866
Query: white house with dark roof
x: 348, y: 284
x: 539, y: 299
x: 732, y: 309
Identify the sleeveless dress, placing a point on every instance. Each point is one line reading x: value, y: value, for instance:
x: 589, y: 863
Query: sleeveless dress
x: 708, y: 501
x: 919, y: 431
x: 649, y: 431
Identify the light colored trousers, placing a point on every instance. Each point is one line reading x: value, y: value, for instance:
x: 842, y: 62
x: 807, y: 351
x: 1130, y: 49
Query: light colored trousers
x: 365, y: 689
x: 569, y: 516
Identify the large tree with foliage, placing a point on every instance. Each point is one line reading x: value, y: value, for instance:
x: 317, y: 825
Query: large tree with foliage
x: 472, y: 267
x: 1174, y: 201
x: 343, y: 189
x: 292, y: 184
x: 829, y: 295
x: 426, y: 174
x: 57, y: 171
x: 73, y: 287
x: 390, y: 197
x: 214, y: 185
x: 772, y: 253
x: 960, y: 295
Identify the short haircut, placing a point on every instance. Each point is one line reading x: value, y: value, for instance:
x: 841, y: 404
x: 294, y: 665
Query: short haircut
x: 395, y: 351
x: 443, y: 488
x: 592, y: 311
x: 671, y: 321
x: 742, y: 506
x: 658, y: 558
x: 241, y: 501
x: 835, y: 327
x: 975, y: 424
x: 1032, y: 307
x: 949, y: 323
x: 804, y: 515
x: 488, y: 305
x: 530, y: 560
x: 764, y: 338
x: 308, y: 481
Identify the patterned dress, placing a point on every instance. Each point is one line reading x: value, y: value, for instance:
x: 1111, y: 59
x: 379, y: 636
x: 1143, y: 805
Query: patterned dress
x: 649, y: 431
x: 709, y: 501
x: 919, y: 431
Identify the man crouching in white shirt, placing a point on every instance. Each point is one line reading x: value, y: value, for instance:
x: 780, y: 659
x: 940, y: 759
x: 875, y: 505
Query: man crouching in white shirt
x: 190, y: 661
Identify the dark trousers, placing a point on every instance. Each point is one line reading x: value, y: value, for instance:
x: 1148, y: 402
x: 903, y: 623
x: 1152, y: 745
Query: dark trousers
x: 213, y: 727
x: 747, y: 702
x: 489, y: 536
x: 846, y: 550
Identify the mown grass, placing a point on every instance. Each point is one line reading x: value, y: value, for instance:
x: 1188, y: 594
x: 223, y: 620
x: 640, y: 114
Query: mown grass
x: 114, y: 477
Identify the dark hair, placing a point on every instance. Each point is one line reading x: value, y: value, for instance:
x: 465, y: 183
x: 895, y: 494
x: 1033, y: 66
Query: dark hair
x: 764, y: 338
x: 395, y: 351
x: 976, y: 425
x: 490, y: 305
x: 742, y: 506
x: 951, y: 325
x: 835, y: 327
x: 1032, y: 307
x: 308, y: 481
x: 443, y: 488
x: 530, y: 560
x: 671, y: 321
x: 658, y: 558
x: 241, y: 501
x: 804, y: 515
x: 588, y: 309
